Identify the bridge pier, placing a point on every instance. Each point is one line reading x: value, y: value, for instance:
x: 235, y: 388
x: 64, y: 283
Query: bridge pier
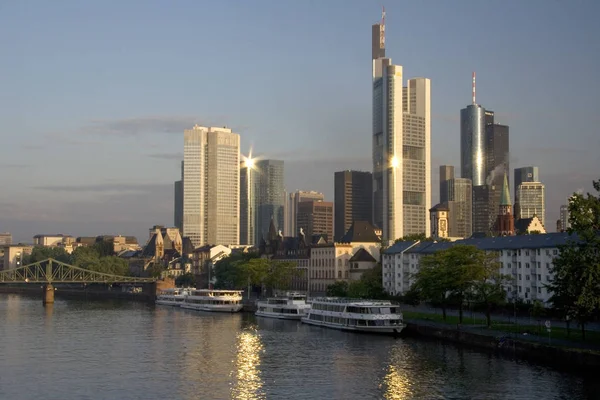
x: 48, y: 294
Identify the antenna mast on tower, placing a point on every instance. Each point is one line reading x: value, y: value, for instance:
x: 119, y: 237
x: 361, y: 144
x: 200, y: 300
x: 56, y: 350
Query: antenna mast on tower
x: 474, y: 88
x: 382, y: 31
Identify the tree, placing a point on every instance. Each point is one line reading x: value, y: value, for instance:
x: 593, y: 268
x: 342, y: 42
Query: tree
x: 487, y: 288
x: 105, y: 247
x: 155, y: 270
x: 90, y: 258
x: 40, y: 253
x: 186, y: 280
x: 448, y: 275
x: 229, y: 273
x: 575, y: 286
x: 338, y: 289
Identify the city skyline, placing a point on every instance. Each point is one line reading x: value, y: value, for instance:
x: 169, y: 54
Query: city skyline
x: 115, y: 148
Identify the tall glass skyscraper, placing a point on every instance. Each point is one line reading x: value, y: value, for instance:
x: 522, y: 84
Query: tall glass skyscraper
x: 261, y: 199
x: 269, y: 196
x: 524, y: 174
x: 473, y: 144
x: 401, y: 146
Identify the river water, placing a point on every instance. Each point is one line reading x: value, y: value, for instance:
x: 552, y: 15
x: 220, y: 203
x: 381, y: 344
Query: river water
x: 120, y: 350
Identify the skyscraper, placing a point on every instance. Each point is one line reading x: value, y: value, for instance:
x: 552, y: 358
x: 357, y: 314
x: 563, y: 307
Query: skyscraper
x: 497, y: 159
x: 316, y: 218
x: 446, y: 173
x: 484, y: 149
x: 401, y: 146
x: 524, y: 174
x: 564, y: 217
x: 291, y: 218
x: 460, y: 199
x: 532, y: 201
x: 269, y: 196
x: 211, y: 185
x: 353, y: 199
x: 248, y: 191
x: 178, y: 206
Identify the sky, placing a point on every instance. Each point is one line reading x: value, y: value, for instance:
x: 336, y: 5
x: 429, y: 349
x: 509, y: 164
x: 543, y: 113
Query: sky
x: 94, y: 96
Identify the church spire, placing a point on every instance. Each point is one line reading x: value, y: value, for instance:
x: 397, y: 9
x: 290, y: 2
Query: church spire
x: 505, y: 199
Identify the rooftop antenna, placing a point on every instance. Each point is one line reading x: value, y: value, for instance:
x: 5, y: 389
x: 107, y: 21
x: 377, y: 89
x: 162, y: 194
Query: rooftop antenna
x: 382, y: 34
x: 474, y: 88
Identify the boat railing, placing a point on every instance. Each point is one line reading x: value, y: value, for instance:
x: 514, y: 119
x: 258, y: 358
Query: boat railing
x: 346, y: 300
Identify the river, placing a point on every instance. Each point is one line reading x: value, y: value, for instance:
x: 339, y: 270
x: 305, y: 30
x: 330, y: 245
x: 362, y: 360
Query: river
x: 121, y: 350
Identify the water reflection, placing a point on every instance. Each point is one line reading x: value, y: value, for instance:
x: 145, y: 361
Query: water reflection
x: 248, y: 383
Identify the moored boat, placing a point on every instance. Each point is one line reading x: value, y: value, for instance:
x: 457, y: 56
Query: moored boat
x: 377, y: 316
x: 213, y: 300
x: 172, y: 296
x: 290, y: 306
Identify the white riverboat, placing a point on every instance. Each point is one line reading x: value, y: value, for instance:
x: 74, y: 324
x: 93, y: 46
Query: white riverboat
x: 377, y: 316
x: 213, y: 300
x: 290, y: 306
x: 172, y: 296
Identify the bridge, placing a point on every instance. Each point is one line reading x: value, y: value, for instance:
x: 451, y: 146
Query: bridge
x: 51, y: 271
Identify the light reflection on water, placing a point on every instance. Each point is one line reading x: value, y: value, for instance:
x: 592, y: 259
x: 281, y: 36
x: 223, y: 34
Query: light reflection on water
x: 110, y: 350
x: 247, y: 382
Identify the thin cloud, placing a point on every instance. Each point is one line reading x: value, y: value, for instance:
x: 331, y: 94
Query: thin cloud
x: 145, y: 125
x: 167, y: 156
x: 13, y: 166
x: 107, y: 187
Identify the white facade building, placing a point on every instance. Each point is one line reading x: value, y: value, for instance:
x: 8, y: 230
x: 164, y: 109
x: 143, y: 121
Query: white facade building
x: 401, y: 146
x: 527, y: 258
x: 211, y: 185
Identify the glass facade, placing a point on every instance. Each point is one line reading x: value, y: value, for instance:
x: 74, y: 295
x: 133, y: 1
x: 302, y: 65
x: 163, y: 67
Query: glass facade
x: 269, y: 196
x: 473, y: 144
x: 532, y: 202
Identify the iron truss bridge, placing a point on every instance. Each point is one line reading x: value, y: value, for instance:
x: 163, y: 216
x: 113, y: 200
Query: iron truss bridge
x: 53, y: 271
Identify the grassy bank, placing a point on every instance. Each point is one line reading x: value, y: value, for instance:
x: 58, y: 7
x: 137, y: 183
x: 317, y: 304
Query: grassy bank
x: 591, y: 337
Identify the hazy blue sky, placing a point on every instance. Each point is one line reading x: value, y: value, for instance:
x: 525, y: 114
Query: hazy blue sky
x: 94, y: 97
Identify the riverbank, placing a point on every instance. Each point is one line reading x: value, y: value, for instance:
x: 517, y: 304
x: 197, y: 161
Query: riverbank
x: 560, y: 353
x: 89, y: 293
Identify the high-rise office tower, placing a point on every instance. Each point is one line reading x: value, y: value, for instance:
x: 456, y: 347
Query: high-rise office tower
x: 473, y: 162
x: 178, y: 206
x: 532, y: 201
x: 211, y: 185
x: 353, y: 199
x: 497, y: 158
x: 484, y: 149
x: 269, y: 196
x: 564, y: 217
x: 316, y: 218
x: 446, y: 173
x: 401, y: 146
x: 524, y: 174
x: 248, y: 182
x: 291, y: 217
x: 460, y: 203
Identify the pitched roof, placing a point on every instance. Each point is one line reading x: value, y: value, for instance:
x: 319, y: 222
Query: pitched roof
x: 187, y: 245
x: 362, y: 255
x: 150, y: 248
x: 440, y: 207
x: 505, y: 199
x: 521, y: 225
x: 399, y: 247
x: 361, y: 232
x: 547, y: 240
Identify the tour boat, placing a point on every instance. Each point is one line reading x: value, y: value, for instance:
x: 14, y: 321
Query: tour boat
x: 171, y: 296
x: 377, y: 316
x: 213, y: 300
x: 291, y: 306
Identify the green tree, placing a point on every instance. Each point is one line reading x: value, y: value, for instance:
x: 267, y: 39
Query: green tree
x: 105, y: 247
x: 448, y: 275
x: 155, y: 270
x: 186, y: 280
x: 338, y: 289
x: 575, y: 286
x: 487, y: 287
x: 40, y: 253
